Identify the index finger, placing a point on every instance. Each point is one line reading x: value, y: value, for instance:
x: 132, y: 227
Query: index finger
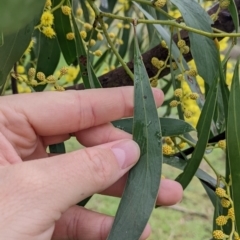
x: 54, y: 113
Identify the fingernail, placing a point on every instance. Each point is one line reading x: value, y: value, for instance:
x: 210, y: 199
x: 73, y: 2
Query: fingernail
x: 127, y: 153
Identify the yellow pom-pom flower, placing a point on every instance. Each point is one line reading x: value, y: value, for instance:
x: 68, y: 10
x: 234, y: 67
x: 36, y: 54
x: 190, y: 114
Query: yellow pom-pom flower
x: 225, y: 203
x: 99, y: 36
x: 193, y: 96
x: 178, y: 92
x: 41, y: 76
x: 160, y: 3
x: 98, y: 53
x: 220, y: 192
x: 222, y: 144
x: 218, y: 234
x: 83, y: 34
x: 231, y: 214
x: 221, y: 220
x: 66, y: 10
x: 87, y: 26
x: 31, y: 72
x: 192, y: 72
x: 181, y: 43
x: 47, y: 18
x: 174, y: 103
x: 167, y: 150
x: 49, y: 32
x: 70, y: 36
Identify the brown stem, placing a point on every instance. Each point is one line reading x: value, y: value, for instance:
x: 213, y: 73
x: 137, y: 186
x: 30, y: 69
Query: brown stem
x: 118, y: 77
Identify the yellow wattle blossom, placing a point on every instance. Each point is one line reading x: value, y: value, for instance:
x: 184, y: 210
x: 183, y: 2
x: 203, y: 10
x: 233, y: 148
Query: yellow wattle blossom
x: 167, y: 150
x: 225, y: 203
x: 72, y: 74
x: 221, y: 220
x: 83, y: 34
x: 222, y: 144
x: 112, y: 35
x: 70, y: 36
x: 66, y: 10
x: 48, y: 4
x: 92, y: 42
x: 231, y: 214
x: 49, y: 32
x: 20, y: 69
x: 99, y: 36
x: 41, y: 76
x: 160, y: 3
x: 220, y: 192
x: 98, y: 53
x: 157, y: 63
x: 218, y: 234
x: 87, y: 26
x: 23, y: 88
x: 47, y: 19
x: 79, y: 12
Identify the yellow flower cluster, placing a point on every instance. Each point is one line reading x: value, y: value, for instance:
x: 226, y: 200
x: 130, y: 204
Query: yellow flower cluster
x: 160, y: 3
x: 167, y: 149
x: 66, y: 10
x: 224, y: 4
x: 218, y: 234
x: 47, y: 20
x: 157, y: 63
x: 222, y: 144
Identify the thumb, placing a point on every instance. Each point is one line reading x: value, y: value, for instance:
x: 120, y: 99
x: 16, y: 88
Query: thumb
x: 62, y: 181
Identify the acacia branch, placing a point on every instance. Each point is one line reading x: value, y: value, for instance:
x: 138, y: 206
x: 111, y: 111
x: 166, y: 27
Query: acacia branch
x: 118, y: 77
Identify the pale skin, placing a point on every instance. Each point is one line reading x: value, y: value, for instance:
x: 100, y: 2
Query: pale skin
x: 39, y: 192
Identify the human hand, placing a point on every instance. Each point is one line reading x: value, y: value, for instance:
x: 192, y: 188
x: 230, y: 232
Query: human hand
x: 38, y: 197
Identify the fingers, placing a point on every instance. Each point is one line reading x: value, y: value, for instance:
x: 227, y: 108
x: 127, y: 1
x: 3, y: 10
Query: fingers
x: 92, y: 136
x: 80, y: 223
x: 56, y: 113
x: 69, y: 178
x: 170, y: 192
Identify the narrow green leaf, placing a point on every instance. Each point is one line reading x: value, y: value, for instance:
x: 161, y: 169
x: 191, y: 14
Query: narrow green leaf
x: 14, y: 15
x: 90, y: 79
x: 143, y: 181
x: 108, y: 5
x: 57, y: 148
x: 48, y: 58
x: 234, y: 14
x: 124, y: 47
x: 63, y: 27
x: 203, y: 128
x: 1, y: 39
x: 169, y: 126
x: 13, y: 48
x: 85, y: 10
x: 181, y: 164
x: 224, y: 90
x: 233, y: 141
x: 203, y: 49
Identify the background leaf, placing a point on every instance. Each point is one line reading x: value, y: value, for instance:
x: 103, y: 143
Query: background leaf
x: 234, y: 14
x: 233, y: 141
x: 13, y: 48
x: 63, y: 27
x: 14, y: 15
x: 142, y: 185
x: 203, y: 128
x: 48, y: 58
x: 107, y: 5
x: 203, y: 49
x: 169, y: 126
